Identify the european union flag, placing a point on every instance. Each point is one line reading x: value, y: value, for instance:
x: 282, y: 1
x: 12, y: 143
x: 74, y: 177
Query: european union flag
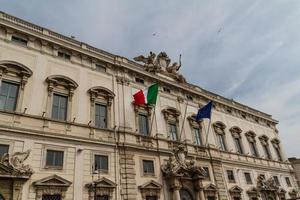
x: 204, y: 112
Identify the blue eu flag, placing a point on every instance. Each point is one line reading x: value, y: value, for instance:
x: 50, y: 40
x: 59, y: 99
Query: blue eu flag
x: 204, y: 112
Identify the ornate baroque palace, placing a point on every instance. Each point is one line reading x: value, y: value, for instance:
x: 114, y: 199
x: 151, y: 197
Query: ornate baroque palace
x: 69, y: 128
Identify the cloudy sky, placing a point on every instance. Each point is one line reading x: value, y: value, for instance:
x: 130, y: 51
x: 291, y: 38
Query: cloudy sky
x: 245, y: 50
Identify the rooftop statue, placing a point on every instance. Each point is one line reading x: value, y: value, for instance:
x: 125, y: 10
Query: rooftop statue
x: 161, y: 63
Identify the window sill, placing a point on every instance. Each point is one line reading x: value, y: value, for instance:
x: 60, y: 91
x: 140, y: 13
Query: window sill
x: 100, y: 172
x: 149, y: 174
x: 53, y: 167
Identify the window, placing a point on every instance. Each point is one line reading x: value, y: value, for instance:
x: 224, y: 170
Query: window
x: 139, y: 80
x: 189, y: 97
x: 100, y: 68
x: 167, y: 90
x: 253, y: 148
x: 288, y: 182
x: 211, y: 198
x: 102, y: 197
x: 267, y: 151
x: 276, y: 180
x: 19, y: 40
x: 64, y: 55
x: 3, y: 149
x: 100, y: 116
x: 173, y: 131
x: 248, y: 178
x: 151, y: 198
x: 54, y: 158
x: 276, y: 145
x: 238, y: 145
x: 59, y: 107
x: 51, y: 197
x: 148, y: 167
x: 101, y: 163
x: 222, y: 142
x: 207, y: 176
x: 230, y: 176
x: 143, y: 124
x: 8, y: 96
x: 197, y: 136
x: 277, y: 150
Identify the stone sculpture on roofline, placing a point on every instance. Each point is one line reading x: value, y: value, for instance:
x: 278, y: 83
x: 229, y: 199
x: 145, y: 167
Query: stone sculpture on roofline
x: 161, y: 64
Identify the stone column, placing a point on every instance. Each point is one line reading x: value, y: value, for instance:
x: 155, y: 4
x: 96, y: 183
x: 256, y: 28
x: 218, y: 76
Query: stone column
x: 176, y: 193
x: 198, y: 187
x: 174, y: 185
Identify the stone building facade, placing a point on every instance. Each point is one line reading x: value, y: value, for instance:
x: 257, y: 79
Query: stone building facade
x: 69, y: 129
x: 296, y: 165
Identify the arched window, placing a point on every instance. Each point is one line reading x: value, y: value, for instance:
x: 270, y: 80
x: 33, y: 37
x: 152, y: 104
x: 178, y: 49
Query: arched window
x: 219, y: 129
x: 196, y: 130
x: 276, y: 145
x: 252, y: 143
x: 171, y: 116
x: 101, y: 101
x: 236, y: 135
x: 13, y: 77
x: 60, y: 93
x: 265, y: 144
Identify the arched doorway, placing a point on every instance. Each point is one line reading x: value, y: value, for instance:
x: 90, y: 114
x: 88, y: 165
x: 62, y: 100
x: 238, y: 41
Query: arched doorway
x: 185, y: 194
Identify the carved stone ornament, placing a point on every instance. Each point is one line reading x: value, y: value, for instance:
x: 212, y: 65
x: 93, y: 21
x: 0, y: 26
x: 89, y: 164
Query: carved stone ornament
x: 266, y: 185
x: 102, y: 186
x: 178, y: 165
x: 161, y: 63
x: 150, y: 188
x: 14, y: 164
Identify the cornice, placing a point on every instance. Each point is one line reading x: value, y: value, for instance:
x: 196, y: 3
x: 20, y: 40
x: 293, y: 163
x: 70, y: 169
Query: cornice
x: 49, y: 36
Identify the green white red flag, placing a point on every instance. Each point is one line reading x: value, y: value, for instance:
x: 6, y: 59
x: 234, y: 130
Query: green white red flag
x: 148, y: 96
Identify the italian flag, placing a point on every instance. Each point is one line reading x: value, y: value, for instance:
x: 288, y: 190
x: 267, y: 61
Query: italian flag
x: 147, y: 96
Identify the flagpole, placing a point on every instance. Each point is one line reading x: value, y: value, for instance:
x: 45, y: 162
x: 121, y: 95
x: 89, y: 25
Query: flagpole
x: 207, y: 133
x: 152, y: 120
x: 182, y: 127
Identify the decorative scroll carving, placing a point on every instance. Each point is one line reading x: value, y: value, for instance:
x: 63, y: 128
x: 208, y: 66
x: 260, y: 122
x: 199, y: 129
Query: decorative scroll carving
x: 14, y: 164
x: 178, y: 165
x: 161, y: 63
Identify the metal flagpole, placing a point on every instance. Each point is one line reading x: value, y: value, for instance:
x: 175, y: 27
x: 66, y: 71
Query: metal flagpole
x: 182, y: 127
x: 151, y: 121
x: 207, y: 132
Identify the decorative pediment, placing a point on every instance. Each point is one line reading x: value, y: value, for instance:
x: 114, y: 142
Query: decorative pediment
x: 150, y: 188
x: 15, y: 67
x: 102, y: 183
x: 101, y: 93
x: 170, y: 111
x: 293, y: 193
x: 235, y: 129
x: 54, y: 181
x: 253, y: 192
x: 264, y: 138
x: 62, y: 81
x: 210, y: 187
x: 275, y: 141
x: 219, y: 127
x: 236, y: 189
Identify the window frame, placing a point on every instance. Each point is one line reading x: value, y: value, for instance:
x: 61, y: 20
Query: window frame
x: 106, y: 115
x: 17, y: 95
x: 171, y: 116
x: 194, y: 125
x: 228, y: 176
x: 288, y: 181
x: 19, y: 40
x: 143, y: 167
x: 219, y: 129
x: 146, y: 116
x: 59, y: 95
x: 248, y: 181
x: 54, y: 166
x: 142, y: 173
x: 98, y: 171
x: 7, y: 145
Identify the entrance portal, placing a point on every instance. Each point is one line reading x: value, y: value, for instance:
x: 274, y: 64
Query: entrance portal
x: 185, y: 195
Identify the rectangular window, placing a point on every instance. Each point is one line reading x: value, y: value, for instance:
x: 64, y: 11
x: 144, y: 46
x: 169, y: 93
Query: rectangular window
x: 100, y: 68
x: 276, y: 180
x: 148, y: 167
x: 211, y: 198
x: 151, y: 198
x: 59, y: 107
x: 222, y: 142
x: 248, y: 178
x: 19, y: 40
x: 253, y: 149
x: 207, y: 176
x: 197, y: 136
x: 64, y: 55
x: 267, y: 151
x: 288, y: 182
x: 3, y: 149
x: 173, y: 131
x: 54, y: 158
x: 100, y: 116
x: 230, y: 176
x: 238, y: 145
x: 102, y: 197
x: 8, y: 96
x: 139, y: 80
x: 51, y: 197
x: 143, y: 124
x: 167, y: 90
x: 101, y: 163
